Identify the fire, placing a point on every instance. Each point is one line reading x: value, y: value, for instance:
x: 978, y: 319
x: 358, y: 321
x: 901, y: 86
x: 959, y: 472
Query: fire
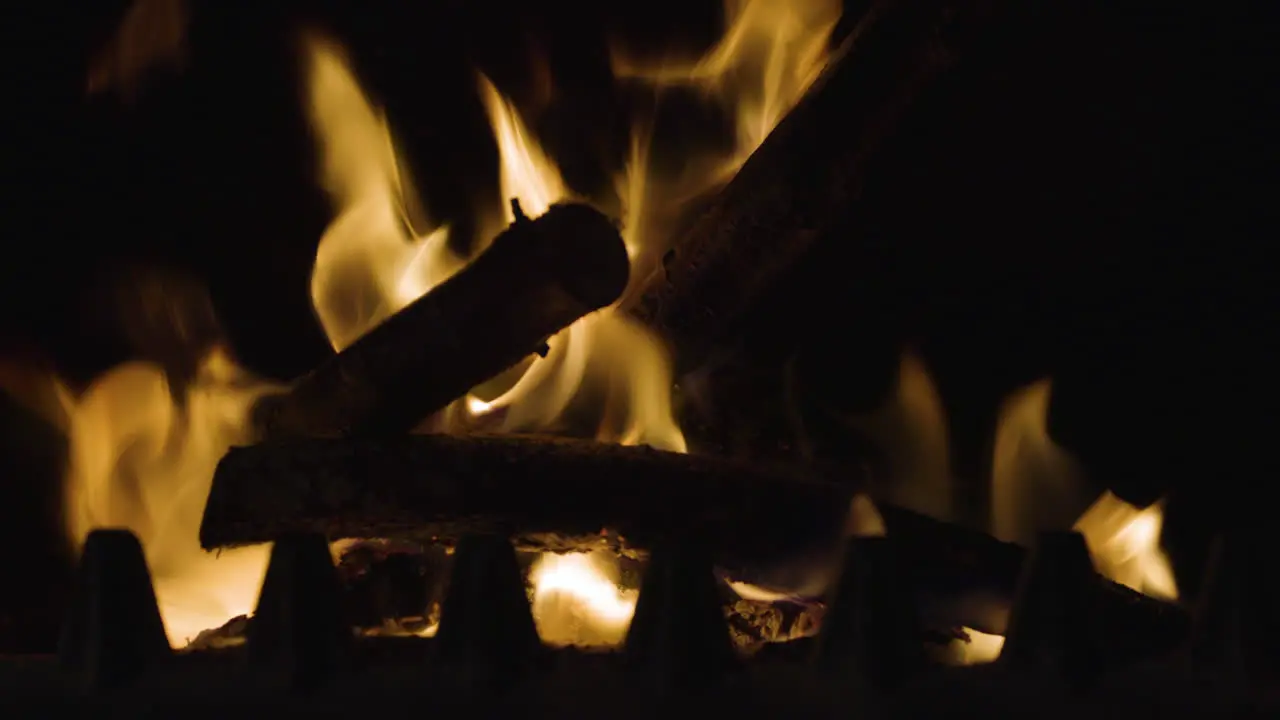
x: 768, y: 57
x: 911, y: 428
x: 143, y: 452
x: 1037, y: 485
x: 142, y: 455
x: 577, y: 600
x: 976, y: 647
x: 1125, y: 542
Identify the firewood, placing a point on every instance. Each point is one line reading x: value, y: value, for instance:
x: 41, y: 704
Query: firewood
x: 536, y: 278
x: 546, y: 492
x: 555, y: 494
x: 810, y: 172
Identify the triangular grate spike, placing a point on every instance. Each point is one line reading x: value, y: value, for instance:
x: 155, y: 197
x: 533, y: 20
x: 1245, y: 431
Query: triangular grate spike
x: 871, y: 622
x: 486, y: 624
x: 113, y: 630
x: 1236, y: 628
x: 298, y: 634
x: 1051, y: 622
x: 678, y: 635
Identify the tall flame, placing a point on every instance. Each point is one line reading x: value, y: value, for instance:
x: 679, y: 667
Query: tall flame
x: 143, y: 452
x: 911, y: 429
x: 1036, y: 485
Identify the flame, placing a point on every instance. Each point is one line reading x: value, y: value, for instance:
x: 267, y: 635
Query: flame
x: 1037, y: 485
x: 911, y: 428
x: 143, y: 452
x: 369, y: 263
x: 141, y: 456
x: 976, y: 647
x: 1125, y: 542
x: 768, y: 57
x: 577, y: 600
x: 864, y: 519
x: 151, y: 34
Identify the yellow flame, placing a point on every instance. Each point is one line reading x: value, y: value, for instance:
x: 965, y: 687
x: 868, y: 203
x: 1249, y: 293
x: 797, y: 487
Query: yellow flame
x: 911, y: 429
x: 369, y: 263
x: 142, y: 458
x: 1037, y: 485
x: 1125, y: 542
x: 143, y: 454
x: 768, y: 57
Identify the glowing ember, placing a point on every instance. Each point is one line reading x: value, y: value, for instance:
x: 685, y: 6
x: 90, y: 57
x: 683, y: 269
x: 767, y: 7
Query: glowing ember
x: 577, y: 600
x: 979, y: 648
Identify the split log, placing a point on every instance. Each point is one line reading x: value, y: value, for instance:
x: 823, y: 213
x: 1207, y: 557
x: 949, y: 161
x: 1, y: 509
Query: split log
x: 553, y: 493
x: 810, y: 171
x: 537, y: 277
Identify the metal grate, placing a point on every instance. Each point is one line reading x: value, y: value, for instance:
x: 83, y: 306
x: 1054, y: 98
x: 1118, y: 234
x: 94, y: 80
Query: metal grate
x: 487, y: 661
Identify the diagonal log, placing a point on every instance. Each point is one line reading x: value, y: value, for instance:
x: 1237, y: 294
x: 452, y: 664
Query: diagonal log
x: 537, y: 278
x: 810, y: 172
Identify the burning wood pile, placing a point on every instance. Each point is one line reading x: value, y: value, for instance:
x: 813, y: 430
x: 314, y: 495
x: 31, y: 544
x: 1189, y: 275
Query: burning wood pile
x: 414, y: 501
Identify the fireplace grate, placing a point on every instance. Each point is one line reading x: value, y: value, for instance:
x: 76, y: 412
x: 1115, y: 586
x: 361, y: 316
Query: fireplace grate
x: 868, y: 660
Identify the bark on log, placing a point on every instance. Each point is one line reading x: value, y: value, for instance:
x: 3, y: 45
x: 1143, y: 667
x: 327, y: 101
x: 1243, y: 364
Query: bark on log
x: 537, y: 277
x: 560, y: 491
x: 809, y: 172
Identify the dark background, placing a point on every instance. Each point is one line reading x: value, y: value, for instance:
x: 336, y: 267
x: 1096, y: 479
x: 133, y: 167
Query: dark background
x: 1088, y: 197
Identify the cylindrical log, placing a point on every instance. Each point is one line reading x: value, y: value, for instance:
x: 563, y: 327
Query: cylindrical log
x: 427, y: 486
x: 809, y: 172
x: 537, y: 277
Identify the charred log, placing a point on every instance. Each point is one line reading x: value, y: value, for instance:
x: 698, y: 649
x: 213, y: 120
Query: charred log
x: 538, y: 277
x: 552, y: 494
x: 440, y: 486
x: 809, y: 172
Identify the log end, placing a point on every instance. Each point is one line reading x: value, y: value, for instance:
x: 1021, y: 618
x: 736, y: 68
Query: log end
x: 572, y: 236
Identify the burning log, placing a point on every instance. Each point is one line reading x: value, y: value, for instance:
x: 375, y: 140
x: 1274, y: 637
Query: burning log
x: 553, y: 494
x: 809, y: 172
x: 557, y: 490
x: 538, y: 277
